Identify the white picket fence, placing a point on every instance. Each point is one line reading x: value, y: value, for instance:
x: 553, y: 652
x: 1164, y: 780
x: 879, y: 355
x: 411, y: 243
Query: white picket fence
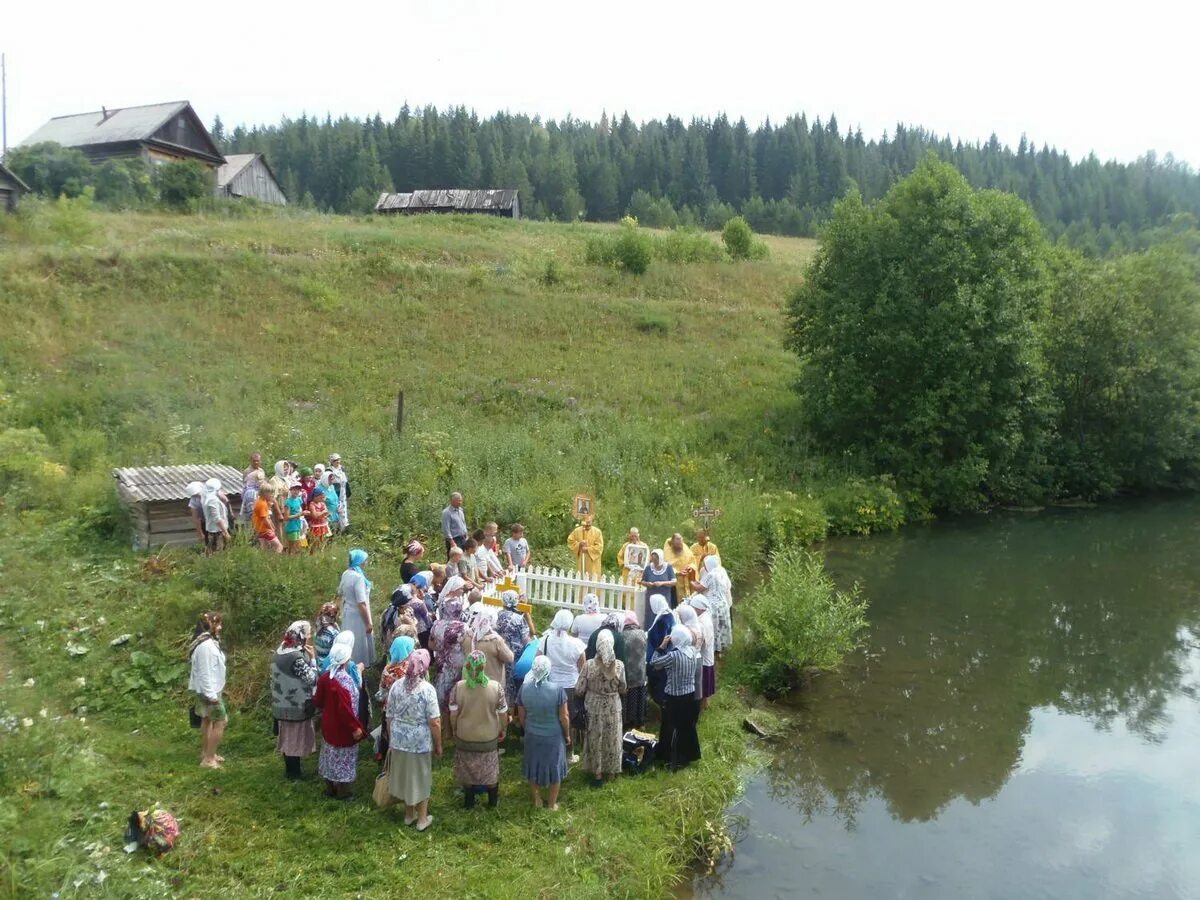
x: 565, y: 589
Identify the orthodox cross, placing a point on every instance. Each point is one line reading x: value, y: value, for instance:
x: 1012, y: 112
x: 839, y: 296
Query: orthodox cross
x: 706, y: 513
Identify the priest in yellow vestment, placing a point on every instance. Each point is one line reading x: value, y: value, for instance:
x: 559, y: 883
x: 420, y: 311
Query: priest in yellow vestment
x: 680, y: 558
x: 587, y: 546
x: 702, y: 548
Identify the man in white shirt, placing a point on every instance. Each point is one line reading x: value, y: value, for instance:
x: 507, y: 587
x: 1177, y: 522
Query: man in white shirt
x: 487, y: 561
x: 216, y: 518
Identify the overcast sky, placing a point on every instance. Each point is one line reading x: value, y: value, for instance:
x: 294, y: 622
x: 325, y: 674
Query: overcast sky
x: 1117, y: 79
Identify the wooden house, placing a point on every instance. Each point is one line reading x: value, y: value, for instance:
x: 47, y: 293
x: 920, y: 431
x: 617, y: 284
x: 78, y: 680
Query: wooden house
x: 159, y: 133
x: 248, y: 175
x: 11, y: 189
x: 487, y: 202
x: 157, y: 501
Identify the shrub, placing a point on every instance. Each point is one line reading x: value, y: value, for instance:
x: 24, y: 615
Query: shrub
x: 790, y: 520
x: 800, y: 622
x: 738, y: 238
x: 179, y: 183
x: 69, y: 217
x: 860, y: 507
x: 686, y: 245
x: 652, y: 323
x: 551, y: 273
x: 631, y: 249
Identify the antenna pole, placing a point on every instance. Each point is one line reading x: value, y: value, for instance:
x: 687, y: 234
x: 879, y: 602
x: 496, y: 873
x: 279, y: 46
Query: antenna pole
x: 3, y: 106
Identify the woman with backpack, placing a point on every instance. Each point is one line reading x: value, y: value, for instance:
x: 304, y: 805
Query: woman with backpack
x: 293, y: 678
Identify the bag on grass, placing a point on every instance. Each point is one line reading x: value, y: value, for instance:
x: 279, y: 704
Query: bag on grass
x: 637, y: 751
x: 155, y: 829
x: 382, y: 794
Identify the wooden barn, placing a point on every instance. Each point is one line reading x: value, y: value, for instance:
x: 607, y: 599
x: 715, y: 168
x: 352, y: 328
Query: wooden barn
x: 248, y: 175
x: 487, y: 202
x: 157, y: 500
x: 11, y: 189
x: 159, y: 133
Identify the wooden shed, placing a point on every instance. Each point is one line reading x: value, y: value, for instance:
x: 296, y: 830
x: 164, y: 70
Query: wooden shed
x: 11, y: 189
x: 248, y: 175
x: 157, y: 500
x: 503, y: 203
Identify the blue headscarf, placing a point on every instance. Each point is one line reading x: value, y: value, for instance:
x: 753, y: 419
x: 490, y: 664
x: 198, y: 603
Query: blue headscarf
x: 357, y: 558
x: 420, y: 581
x: 402, y: 646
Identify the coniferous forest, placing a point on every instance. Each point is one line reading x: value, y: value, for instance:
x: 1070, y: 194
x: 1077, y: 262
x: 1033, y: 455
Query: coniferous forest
x: 783, y: 177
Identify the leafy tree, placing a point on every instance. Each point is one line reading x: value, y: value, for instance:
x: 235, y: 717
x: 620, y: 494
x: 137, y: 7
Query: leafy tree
x: 738, y: 238
x: 180, y: 182
x: 51, y: 169
x: 123, y: 183
x: 918, y: 331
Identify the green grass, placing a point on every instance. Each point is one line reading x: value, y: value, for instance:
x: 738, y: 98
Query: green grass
x: 528, y: 376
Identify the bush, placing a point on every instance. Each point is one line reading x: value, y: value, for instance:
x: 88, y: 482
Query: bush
x: 653, y: 212
x: 790, y: 520
x: 685, y: 245
x: 631, y: 249
x: 800, y: 623
x: 738, y: 238
x: 862, y: 507
x: 179, y: 183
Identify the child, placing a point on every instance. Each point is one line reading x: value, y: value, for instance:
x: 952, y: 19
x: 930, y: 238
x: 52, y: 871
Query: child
x: 264, y: 527
x: 516, y: 548
x: 331, y: 502
x: 293, y: 524
x: 318, y: 520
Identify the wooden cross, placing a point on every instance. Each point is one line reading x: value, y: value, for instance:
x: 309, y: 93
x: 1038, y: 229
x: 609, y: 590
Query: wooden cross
x: 706, y: 513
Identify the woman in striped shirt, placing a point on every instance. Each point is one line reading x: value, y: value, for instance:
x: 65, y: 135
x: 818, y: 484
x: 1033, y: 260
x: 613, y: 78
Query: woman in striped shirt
x: 678, y: 743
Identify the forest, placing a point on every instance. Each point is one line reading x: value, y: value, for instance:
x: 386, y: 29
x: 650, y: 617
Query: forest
x: 782, y: 177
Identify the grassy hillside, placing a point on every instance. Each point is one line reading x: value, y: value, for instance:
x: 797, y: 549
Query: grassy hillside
x: 529, y: 375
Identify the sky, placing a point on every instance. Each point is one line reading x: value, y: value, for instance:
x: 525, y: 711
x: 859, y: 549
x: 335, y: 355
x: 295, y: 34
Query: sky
x: 1117, y: 80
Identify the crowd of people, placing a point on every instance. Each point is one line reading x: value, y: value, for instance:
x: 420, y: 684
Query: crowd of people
x: 296, y: 509
x: 444, y: 668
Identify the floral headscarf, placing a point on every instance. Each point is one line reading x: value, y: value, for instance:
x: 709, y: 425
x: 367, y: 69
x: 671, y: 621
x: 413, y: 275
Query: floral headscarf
x: 473, y: 669
x: 541, y: 670
x: 606, y: 650
x: 418, y: 665
x: 327, y: 616
x: 295, y: 636
x: 510, y: 599
x: 452, y: 610
x: 591, y: 603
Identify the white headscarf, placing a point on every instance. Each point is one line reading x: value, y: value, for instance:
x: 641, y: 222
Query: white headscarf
x: 562, y: 621
x: 541, y: 669
x: 485, y: 622
x: 697, y: 601
x: 662, y: 564
x: 279, y: 473
x: 194, y: 488
x: 340, y: 652
x: 715, y: 572
x: 454, y: 584
x: 605, y: 649
x: 212, y: 486
x: 687, y: 616
x: 659, y: 606
x: 591, y: 603
x: 681, y: 640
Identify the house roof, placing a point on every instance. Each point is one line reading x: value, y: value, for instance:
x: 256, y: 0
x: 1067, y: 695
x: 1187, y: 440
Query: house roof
x: 234, y: 163
x: 153, y: 483
x: 10, y: 174
x: 132, y: 123
x: 458, y: 200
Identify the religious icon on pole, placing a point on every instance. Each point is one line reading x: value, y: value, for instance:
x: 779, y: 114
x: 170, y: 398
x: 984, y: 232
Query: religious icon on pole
x: 706, y: 513
x: 636, y: 557
x: 583, y: 506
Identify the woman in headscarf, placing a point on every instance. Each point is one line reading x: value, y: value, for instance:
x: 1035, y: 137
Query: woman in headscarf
x: 542, y: 714
x: 497, y: 654
x: 399, y: 610
x: 478, y: 718
x: 355, y: 591
x: 452, y: 590
x: 708, y: 656
x: 446, y: 641
x: 252, y: 479
x: 329, y: 489
x: 327, y: 632
x: 662, y: 620
x: 686, y: 616
x: 589, y: 620
x: 293, y: 678
x: 341, y: 729
x: 516, y: 628
x: 217, y: 520
x: 601, y: 685
x: 413, y: 551
x: 611, y: 624
x: 678, y: 742
x: 717, y: 589
x: 399, y: 652
x: 634, y: 705
x: 308, y: 483
x: 207, y: 681
x: 414, y: 733
x: 659, y: 578
x: 566, y: 662
x: 419, y: 609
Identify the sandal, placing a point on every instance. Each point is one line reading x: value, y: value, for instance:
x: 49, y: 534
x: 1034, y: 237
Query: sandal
x: 425, y: 823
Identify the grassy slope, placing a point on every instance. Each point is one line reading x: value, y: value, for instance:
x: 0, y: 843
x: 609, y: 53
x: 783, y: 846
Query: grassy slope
x: 145, y: 338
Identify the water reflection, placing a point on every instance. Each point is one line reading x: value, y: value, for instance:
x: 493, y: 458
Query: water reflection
x: 1030, y: 681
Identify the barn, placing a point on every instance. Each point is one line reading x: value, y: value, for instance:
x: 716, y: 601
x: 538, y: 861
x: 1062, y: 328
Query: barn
x: 248, y: 175
x: 487, y: 202
x: 159, y: 133
x: 11, y: 189
x: 157, y: 501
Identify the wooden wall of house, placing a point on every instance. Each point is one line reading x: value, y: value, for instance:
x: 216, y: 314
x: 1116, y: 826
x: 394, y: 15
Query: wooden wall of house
x: 166, y: 524
x: 255, y: 181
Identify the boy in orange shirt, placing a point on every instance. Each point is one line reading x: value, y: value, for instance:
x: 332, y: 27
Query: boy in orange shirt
x: 261, y: 519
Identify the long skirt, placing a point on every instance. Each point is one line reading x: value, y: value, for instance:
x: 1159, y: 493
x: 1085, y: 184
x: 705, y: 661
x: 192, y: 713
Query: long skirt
x: 576, y: 710
x: 602, y: 744
x: 473, y: 767
x: 338, y: 764
x: 634, y: 706
x: 410, y: 776
x: 297, y: 738
x: 545, y: 759
x: 708, y: 682
x: 364, y: 644
x: 678, y: 742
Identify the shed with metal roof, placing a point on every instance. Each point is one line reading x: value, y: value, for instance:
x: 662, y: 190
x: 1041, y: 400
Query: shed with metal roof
x: 158, y: 133
x: 494, y: 202
x: 248, y: 175
x: 11, y: 189
x: 157, y: 500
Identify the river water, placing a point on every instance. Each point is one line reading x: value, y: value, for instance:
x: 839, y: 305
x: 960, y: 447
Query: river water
x: 1024, y: 721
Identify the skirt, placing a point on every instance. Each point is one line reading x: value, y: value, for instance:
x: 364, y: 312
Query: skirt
x: 576, y: 711
x: 545, y: 759
x: 471, y: 767
x: 678, y: 743
x: 410, y: 776
x: 634, y: 706
x: 297, y: 738
x: 708, y: 682
x: 338, y: 764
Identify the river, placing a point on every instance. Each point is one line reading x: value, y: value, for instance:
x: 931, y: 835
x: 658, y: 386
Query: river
x: 1023, y: 722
